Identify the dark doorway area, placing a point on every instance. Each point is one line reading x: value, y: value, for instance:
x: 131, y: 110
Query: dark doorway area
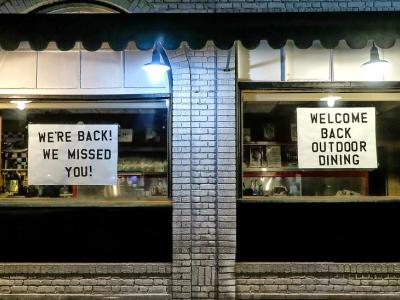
x: 86, y: 234
x: 318, y: 232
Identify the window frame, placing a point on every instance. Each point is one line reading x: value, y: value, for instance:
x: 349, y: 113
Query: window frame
x: 138, y: 99
x: 366, y: 87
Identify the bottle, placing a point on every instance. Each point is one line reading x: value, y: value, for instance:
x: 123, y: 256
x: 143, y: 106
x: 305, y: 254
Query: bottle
x: 254, y: 187
x: 329, y: 191
x: 159, y: 188
x: 14, y: 183
x: 7, y: 181
x: 21, y: 185
x: 260, y: 191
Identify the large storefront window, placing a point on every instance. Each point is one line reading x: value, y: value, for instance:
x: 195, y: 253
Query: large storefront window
x: 142, y: 164
x: 342, y: 210
x: 269, y: 148
x: 56, y: 221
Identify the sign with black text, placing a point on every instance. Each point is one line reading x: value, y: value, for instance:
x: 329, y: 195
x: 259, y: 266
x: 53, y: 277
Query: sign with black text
x: 336, y: 138
x: 72, y: 154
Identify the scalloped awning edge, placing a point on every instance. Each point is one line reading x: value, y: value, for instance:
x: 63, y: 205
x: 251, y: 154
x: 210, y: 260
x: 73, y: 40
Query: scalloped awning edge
x: 356, y: 28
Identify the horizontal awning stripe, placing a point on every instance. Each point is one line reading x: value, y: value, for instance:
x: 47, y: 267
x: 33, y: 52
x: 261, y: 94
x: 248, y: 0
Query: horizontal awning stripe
x: 356, y: 28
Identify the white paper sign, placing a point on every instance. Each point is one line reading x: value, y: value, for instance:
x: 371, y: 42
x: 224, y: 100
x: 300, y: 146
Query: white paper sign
x: 336, y: 138
x: 72, y: 154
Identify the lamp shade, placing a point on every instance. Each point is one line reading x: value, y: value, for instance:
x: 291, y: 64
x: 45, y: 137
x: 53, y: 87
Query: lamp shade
x: 375, y: 68
x: 156, y: 65
x: 21, y: 104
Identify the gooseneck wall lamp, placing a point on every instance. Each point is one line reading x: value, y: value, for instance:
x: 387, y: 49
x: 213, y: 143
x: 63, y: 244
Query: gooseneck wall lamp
x: 375, y: 68
x: 159, y: 64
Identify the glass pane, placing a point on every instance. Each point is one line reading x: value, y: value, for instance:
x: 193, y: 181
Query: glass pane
x: 142, y: 154
x: 270, y: 163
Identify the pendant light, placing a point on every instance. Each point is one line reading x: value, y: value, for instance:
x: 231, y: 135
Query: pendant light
x: 375, y: 68
x: 20, y: 104
x: 330, y: 100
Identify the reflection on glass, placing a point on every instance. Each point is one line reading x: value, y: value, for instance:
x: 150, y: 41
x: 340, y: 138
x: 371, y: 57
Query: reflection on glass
x: 142, y: 157
x: 269, y: 154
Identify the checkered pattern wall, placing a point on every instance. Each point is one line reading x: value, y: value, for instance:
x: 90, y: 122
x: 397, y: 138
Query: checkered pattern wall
x: 14, y: 157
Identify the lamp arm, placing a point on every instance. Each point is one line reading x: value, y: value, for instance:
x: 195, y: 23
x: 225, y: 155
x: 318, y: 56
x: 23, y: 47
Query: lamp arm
x: 167, y: 62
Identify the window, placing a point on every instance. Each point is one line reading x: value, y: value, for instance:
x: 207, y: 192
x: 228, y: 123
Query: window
x: 321, y: 214
x: 269, y: 149
x: 142, y: 167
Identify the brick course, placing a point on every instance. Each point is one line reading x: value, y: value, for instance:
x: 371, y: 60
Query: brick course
x: 208, y: 6
x: 148, y: 280
x: 318, y: 280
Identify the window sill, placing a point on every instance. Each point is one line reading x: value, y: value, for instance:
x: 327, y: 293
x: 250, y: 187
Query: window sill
x: 158, y: 201
x: 318, y: 199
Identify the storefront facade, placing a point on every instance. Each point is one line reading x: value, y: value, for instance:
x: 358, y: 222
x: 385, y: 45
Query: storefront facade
x: 219, y: 240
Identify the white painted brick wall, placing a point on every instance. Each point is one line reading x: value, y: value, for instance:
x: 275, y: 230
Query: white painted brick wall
x: 203, y: 150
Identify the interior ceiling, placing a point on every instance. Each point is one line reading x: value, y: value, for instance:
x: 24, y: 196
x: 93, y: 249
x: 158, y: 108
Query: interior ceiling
x: 389, y: 109
x: 14, y: 114
x: 282, y: 96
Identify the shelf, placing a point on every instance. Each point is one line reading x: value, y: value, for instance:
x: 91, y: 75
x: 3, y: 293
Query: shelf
x: 124, y: 148
x: 129, y: 173
x: 159, y: 201
x: 266, y: 169
x: 140, y: 173
x: 304, y: 174
x: 269, y: 143
x: 318, y: 199
x: 295, y: 169
x: 15, y: 150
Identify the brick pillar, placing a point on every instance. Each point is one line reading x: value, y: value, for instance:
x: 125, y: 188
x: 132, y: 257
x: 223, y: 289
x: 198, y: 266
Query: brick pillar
x: 181, y: 178
x: 204, y: 175
x: 226, y: 174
